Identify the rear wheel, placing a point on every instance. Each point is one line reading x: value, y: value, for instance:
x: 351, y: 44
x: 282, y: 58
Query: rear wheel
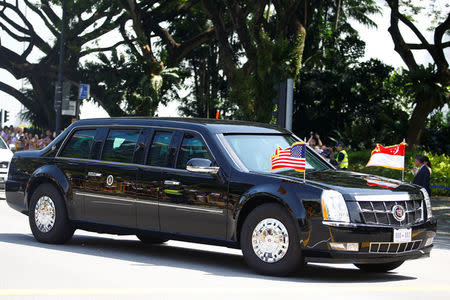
x: 270, y: 241
x: 379, y: 268
x: 147, y: 238
x: 47, y: 216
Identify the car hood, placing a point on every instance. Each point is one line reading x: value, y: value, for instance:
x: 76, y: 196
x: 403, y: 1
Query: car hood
x: 351, y: 184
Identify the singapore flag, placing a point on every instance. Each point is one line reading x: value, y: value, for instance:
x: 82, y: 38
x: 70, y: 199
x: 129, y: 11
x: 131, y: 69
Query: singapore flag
x: 392, y: 157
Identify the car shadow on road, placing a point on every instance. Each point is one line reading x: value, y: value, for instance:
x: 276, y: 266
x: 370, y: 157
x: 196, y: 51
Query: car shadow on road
x: 210, y: 262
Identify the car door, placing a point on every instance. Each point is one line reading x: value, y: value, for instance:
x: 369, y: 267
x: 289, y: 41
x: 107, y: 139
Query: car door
x: 192, y: 203
x: 149, y: 176
x: 110, y: 189
x: 73, y: 160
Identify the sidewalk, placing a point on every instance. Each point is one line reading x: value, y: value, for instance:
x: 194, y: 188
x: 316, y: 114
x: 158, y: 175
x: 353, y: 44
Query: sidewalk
x: 441, y: 211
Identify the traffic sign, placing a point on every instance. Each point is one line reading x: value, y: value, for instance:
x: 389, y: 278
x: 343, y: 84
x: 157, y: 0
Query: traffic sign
x: 69, y: 109
x: 84, y: 91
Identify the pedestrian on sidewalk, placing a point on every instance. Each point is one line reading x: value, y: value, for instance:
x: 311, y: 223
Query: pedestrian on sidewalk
x: 422, y: 176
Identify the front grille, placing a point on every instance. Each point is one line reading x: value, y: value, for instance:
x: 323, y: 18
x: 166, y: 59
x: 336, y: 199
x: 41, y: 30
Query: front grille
x: 380, y: 212
x: 394, y: 247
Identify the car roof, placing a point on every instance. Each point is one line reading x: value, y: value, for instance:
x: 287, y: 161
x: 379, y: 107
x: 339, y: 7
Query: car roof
x: 211, y: 125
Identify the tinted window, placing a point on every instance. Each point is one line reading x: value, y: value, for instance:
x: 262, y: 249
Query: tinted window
x: 120, y: 145
x: 191, y: 147
x: 79, y: 145
x: 159, y: 149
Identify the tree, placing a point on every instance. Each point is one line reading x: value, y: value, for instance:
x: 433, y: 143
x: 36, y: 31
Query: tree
x: 356, y: 104
x: 430, y: 85
x: 135, y: 81
x: 102, y: 18
x: 339, y: 96
x: 270, y: 36
x: 134, y: 67
x: 203, y: 76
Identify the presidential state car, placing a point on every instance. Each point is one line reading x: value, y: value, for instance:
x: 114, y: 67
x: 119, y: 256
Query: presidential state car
x: 210, y: 181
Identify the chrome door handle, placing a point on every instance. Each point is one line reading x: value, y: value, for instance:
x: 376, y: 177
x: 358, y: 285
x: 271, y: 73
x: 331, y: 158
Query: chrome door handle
x: 171, y: 182
x: 94, y: 174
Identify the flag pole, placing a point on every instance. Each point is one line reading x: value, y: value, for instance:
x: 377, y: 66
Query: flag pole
x: 304, y: 171
x: 404, y: 161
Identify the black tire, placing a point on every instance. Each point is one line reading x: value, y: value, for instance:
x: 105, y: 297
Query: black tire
x: 148, y: 238
x: 379, y: 268
x: 62, y: 230
x: 291, y: 261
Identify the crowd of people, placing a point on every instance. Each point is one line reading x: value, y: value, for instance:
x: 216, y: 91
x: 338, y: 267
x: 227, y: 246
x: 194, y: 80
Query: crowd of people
x: 25, y: 138
x: 338, y: 157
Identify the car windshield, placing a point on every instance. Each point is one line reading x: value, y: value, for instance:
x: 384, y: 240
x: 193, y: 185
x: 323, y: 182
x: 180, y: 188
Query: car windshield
x: 2, y: 144
x: 255, y: 150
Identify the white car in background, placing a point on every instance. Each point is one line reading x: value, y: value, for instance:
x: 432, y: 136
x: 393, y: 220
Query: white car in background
x: 5, y: 158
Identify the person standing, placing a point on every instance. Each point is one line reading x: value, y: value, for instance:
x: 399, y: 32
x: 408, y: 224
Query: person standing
x: 427, y: 163
x: 48, y: 137
x: 314, y: 140
x: 342, y: 156
x: 422, y: 176
x: 5, y: 134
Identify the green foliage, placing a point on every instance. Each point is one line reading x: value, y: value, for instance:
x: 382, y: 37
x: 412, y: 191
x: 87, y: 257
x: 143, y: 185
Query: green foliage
x: 207, y: 86
x: 440, y: 167
x: 126, y: 88
x: 423, y: 84
x: 436, y: 135
x: 356, y: 104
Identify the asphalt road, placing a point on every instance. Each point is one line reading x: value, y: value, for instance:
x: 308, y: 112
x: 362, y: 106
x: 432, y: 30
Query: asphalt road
x: 94, y: 266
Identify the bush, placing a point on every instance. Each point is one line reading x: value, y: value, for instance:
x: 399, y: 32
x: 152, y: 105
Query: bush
x: 439, y: 177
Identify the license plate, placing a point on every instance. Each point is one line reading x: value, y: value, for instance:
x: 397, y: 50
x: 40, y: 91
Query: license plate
x: 402, y: 235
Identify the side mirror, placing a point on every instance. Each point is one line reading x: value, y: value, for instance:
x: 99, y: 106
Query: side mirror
x: 12, y: 147
x: 201, y: 165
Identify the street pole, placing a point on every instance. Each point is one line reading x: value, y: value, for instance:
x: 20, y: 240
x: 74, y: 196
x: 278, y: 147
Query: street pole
x: 59, y: 85
x: 289, y: 102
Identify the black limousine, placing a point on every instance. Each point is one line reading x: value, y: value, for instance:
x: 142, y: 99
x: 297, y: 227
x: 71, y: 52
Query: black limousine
x: 209, y: 181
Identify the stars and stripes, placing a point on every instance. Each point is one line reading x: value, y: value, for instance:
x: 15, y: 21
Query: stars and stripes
x: 292, y: 157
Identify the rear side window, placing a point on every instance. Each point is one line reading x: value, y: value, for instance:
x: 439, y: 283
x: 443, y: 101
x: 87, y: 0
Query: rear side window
x: 191, y: 147
x: 79, y: 145
x: 159, y: 150
x: 120, y: 145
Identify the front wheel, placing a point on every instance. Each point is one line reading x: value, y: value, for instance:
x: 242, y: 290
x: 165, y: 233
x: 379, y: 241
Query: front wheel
x: 379, y: 268
x: 270, y: 241
x: 47, y: 216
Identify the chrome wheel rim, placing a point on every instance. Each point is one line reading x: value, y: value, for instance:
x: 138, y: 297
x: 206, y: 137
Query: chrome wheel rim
x: 45, y: 214
x: 270, y: 240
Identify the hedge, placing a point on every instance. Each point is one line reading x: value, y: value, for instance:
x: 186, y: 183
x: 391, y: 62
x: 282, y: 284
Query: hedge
x: 439, y: 177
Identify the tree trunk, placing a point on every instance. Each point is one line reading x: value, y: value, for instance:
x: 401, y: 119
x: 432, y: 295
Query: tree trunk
x: 417, y: 122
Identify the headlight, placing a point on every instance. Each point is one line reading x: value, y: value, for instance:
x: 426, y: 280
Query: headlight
x: 427, y: 199
x: 334, y: 207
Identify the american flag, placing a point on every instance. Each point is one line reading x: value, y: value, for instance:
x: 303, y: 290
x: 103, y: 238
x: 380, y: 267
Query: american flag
x: 292, y: 157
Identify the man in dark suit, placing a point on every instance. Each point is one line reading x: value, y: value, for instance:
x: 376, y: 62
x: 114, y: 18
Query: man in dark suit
x: 422, y: 176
